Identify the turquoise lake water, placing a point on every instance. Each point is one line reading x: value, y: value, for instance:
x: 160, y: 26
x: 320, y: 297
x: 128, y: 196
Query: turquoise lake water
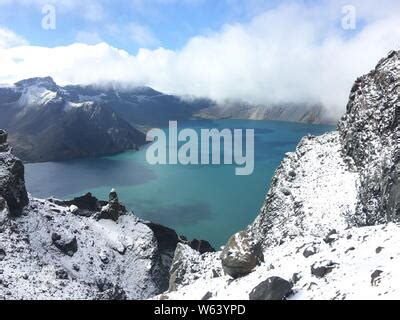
x: 203, y: 202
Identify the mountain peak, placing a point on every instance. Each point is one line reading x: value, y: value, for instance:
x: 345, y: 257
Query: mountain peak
x: 46, y: 82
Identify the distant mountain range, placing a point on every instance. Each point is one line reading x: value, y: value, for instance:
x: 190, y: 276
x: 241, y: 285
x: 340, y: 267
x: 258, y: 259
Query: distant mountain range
x: 288, y: 112
x: 48, y: 122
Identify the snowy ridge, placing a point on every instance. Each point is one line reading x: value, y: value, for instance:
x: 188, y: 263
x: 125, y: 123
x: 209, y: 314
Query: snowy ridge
x: 313, y: 192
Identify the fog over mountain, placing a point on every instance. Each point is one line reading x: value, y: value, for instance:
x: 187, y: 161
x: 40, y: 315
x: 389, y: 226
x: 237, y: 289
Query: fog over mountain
x: 281, y: 56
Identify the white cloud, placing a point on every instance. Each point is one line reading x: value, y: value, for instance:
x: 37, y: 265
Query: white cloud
x: 9, y: 39
x: 291, y: 54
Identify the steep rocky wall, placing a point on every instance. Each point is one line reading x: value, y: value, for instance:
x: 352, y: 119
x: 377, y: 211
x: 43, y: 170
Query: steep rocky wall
x: 370, y: 137
x: 12, y: 181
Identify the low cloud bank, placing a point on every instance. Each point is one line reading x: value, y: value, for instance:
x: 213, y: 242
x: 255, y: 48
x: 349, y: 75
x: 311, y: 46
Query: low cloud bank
x: 291, y: 54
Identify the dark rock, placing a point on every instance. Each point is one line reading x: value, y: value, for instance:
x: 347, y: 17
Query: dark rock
x: 113, y: 210
x: 310, y: 251
x: 379, y: 250
x: 201, y: 246
x: 167, y: 239
x: 376, y: 277
x: 110, y: 291
x: 296, y: 278
x: 272, y: 289
x: 2, y: 254
x: 62, y: 274
x: 321, y: 269
x: 4, y: 147
x: 207, y: 296
x: 350, y: 249
x: 331, y: 237
x: 241, y: 255
x: 87, y: 203
x: 3, y: 136
x: 66, y: 244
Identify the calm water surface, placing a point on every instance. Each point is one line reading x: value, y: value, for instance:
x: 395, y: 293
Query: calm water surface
x: 206, y: 202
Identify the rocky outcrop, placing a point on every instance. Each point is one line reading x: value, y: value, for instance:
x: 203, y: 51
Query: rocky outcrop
x: 113, y: 210
x: 67, y: 244
x: 12, y: 181
x: 370, y: 135
x: 241, y: 255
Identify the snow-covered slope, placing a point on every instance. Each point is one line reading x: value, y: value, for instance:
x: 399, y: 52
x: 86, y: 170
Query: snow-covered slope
x: 329, y: 225
x: 364, y: 261
x: 112, y: 259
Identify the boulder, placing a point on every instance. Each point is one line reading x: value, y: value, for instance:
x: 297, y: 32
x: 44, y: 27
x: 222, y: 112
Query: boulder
x: 66, y: 244
x: 310, y: 251
x: 272, y: 289
x: 241, y: 255
x: 321, y: 269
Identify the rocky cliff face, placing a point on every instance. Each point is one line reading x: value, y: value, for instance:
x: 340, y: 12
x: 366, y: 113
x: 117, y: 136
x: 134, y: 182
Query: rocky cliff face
x: 328, y: 226
x: 370, y: 135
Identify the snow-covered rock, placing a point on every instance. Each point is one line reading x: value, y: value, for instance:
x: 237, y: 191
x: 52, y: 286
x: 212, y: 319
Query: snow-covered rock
x: 356, y: 255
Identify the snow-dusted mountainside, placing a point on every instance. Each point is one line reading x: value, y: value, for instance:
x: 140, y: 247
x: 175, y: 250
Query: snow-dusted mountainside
x: 78, y: 249
x: 329, y: 226
x: 45, y: 125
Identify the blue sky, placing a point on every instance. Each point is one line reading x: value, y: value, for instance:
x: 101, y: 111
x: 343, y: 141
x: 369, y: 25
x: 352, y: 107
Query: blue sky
x: 127, y: 24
